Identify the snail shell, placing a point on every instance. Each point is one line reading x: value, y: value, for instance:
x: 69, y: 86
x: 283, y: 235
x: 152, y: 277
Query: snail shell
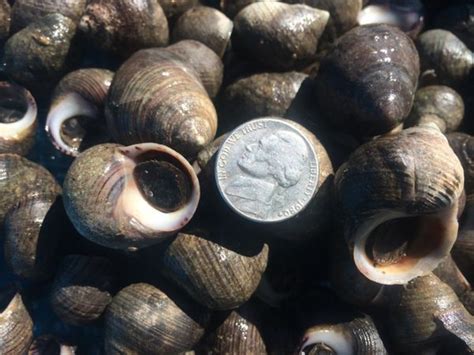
x: 279, y: 36
x: 402, y: 220
x: 16, y: 326
x: 444, y: 57
x: 359, y: 337
x: 40, y: 54
x: 204, y: 61
x: 26, y: 11
x: 174, y: 8
x: 463, y: 146
x: 79, y: 96
x: 143, y: 320
x: 125, y: 26
x: 212, y: 274
x: 438, y: 104
x: 82, y: 288
x: 155, y: 97
x: 18, y: 123
x: 233, y: 7
x: 457, y: 19
x: 130, y: 197
x: 5, y: 19
x: 374, y: 70
x: 206, y: 25
x: 418, y: 311
x: 22, y: 179
x: 463, y: 249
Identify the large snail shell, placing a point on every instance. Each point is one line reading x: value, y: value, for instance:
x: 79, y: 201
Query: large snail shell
x: 463, y: 146
x: 16, y: 326
x: 204, y: 61
x: 82, y: 288
x: 212, y: 274
x: 463, y: 249
x: 418, y: 311
x: 125, y: 26
x: 359, y: 337
x: 26, y: 11
x: 18, y: 123
x: 22, y: 179
x: 444, y: 57
x: 79, y: 95
x: 143, y: 320
x: 155, y: 97
x: 438, y: 104
x: 374, y: 70
x: 399, y: 197
x: 40, y: 54
x: 5, y: 12
x: 130, y: 197
x: 279, y: 36
x: 206, y: 25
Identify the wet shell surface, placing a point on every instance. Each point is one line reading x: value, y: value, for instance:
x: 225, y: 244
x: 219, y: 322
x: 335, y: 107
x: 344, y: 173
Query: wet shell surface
x: 463, y: 145
x: 130, y: 197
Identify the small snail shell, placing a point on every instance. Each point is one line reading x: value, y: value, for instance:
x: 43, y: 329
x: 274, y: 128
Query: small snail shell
x: 49, y: 345
x: 206, y: 25
x: 212, y: 274
x: 174, y: 8
x: 16, y: 326
x: 125, y: 26
x: 418, y: 314
x: 438, y: 104
x: 82, y: 288
x: 18, y: 112
x: 444, y: 57
x: 381, y: 62
x: 233, y: 7
x: 144, y: 320
x: 278, y: 35
x: 130, y: 197
x: 22, y: 179
x: 5, y: 12
x: 40, y: 54
x: 33, y: 229
x: 359, y: 337
x: 463, y: 249
x: 26, y: 11
x: 463, y: 146
x: 458, y: 20
x: 80, y: 94
x: 204, y: 61
x: 399, y: 197
x: 155, y: 97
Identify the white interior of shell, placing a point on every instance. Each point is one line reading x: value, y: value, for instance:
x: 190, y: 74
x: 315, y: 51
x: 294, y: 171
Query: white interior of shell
x: 426, y: 249
x: 333, y: 336
x: 64, y: 108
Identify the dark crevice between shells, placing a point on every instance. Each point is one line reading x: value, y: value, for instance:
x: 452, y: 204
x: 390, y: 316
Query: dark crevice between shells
x: 163, y: 181
x: 401, y: 242
x: 13, y: 105
x: 6, y: 295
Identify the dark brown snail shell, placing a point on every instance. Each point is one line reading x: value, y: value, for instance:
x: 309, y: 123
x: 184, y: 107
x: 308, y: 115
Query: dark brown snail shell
x: 374, y: 70
x: 155, y: 97
x: 215, y: 276
x: 5, y: 19
x: 399, y: 197
x: 438, y: 104
x: 174, y: 8
x: 18, y: 123
x: 444, y: 58
x: 22, y: 180
x: 206, y: 25
x: 359, y: 337
x: 16, y: 326
x: 82, y: 288
x: 144, y: 320
x: 77, y: 107
x: 26, y: 11
x: 111, y: 199
x: 204, y: 61
x: 277, y: 35
x: 125, y: 26
x: 40, y: 54
x: 463, y: 145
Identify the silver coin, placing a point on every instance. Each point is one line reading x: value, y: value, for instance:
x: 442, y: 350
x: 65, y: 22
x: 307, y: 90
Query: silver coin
x: 267, y: 170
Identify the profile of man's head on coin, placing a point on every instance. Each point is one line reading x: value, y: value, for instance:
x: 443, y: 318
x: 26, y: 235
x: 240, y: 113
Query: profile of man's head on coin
x: 267, y: 169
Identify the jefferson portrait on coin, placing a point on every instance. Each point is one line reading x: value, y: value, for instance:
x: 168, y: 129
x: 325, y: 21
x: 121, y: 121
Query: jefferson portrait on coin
x: 268, y: 168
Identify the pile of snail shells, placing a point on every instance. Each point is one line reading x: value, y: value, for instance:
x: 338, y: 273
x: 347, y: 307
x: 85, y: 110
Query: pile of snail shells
x: 115, y: 236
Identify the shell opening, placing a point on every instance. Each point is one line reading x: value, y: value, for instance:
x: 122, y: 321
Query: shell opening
x: 17, y: 110
x: 327, y: 339
x: 398, y: 248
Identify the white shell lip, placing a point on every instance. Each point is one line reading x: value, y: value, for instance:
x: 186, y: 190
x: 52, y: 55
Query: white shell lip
x: 133, y: 207
x: 65, y: 107
x: 333, y: 336
x: 16, y: 130
x: 389, y: 275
